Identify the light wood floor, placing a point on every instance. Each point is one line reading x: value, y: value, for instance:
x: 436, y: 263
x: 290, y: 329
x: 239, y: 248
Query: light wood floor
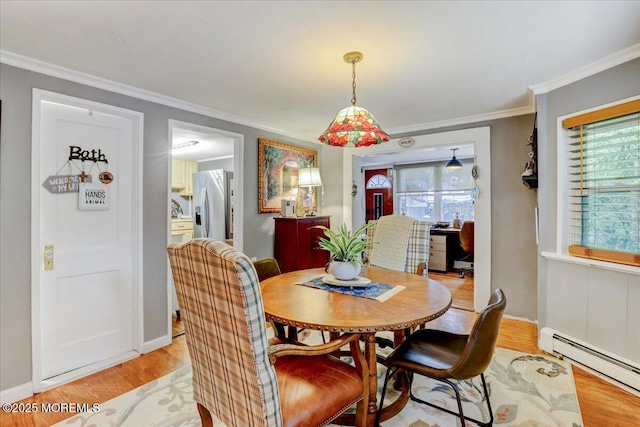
x: 461, y: 288
x: 601, y: 403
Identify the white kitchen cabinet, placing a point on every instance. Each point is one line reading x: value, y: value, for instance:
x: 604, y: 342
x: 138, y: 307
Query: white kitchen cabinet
x: 189, y: 169
x: 182, y: 176
x: 181, y: 230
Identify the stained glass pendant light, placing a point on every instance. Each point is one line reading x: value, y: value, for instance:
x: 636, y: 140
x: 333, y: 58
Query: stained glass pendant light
x: 353, y: 125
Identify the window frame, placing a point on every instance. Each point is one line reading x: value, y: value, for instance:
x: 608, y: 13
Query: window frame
x: 602, y: 257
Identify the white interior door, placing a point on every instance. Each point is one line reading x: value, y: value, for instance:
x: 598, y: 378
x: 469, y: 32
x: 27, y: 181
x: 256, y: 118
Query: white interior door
x: 87, y: 300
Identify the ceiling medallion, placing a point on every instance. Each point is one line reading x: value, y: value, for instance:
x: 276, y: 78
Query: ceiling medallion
x: 406, y: 142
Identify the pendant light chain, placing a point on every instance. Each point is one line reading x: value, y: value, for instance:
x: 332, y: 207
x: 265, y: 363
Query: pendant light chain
x: 353, y: 75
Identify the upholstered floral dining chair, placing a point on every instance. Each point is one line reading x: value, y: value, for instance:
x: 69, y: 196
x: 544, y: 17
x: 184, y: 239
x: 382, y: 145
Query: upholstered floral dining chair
x: 238, y: 376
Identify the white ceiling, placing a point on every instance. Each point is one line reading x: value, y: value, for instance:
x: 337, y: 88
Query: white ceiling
x: 278, y: 65
x: 209, y: 145
x: 415, y: 155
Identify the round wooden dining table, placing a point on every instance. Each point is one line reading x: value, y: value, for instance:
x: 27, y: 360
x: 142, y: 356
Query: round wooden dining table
x: 422, y: 299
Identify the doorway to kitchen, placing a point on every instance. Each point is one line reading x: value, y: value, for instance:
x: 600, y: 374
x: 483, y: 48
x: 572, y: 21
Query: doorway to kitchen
x: 205, y: 174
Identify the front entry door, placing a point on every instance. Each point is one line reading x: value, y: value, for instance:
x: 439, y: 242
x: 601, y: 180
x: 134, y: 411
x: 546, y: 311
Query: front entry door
x: 378, y: 193
x: 88, y: 258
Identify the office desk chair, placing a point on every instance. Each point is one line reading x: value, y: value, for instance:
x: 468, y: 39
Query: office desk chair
x: 465, y: 264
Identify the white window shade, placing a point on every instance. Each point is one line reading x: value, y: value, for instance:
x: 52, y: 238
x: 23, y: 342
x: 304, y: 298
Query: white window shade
x: 430, y: 192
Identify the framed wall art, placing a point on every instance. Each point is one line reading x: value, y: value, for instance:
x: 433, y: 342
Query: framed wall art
x: 278, y: 165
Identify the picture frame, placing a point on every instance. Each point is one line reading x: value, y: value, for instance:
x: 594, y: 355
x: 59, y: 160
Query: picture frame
x: 278, y: 165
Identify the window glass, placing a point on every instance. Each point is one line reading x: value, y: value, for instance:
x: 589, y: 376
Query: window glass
x: 604, y: 187
x: 378, y: 181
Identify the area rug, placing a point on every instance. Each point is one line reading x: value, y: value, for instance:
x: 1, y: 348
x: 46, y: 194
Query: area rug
x: 526, y: 391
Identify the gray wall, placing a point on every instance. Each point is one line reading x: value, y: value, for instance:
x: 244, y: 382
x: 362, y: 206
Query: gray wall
x: 15, y: 227
x: 331, y: 174
x: 595, y: 305
x: 513, y: 244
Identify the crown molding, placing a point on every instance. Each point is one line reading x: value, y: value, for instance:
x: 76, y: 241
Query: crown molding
x: 52, y: 70
x: 605, y: 63
x: 529, y: 109
x: 42, y: 67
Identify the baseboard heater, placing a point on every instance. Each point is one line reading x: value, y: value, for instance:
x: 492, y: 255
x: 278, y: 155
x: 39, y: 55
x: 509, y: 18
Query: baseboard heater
x: 622, y: 371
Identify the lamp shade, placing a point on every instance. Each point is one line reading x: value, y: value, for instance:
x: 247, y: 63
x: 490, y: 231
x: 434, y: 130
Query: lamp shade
x: 356, y: 126
x: 309, y: 177
x: 454, y: 163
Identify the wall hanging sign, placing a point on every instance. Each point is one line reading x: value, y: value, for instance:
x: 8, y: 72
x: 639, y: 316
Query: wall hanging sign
x: 64, y: 183
x: 70, y: 183
x: 106, y: 177
x: 93, y: 197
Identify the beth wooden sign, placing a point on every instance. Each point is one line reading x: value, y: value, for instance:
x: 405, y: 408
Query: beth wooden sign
x: 64, y: 183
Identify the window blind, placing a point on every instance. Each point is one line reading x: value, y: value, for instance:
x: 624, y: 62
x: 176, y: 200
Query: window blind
x: 604, y: 186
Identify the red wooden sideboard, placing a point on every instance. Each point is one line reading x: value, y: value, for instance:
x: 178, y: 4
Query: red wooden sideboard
x: 296, y: 243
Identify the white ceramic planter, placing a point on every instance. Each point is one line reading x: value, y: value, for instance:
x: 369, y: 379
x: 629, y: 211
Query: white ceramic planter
x: 344, y: 270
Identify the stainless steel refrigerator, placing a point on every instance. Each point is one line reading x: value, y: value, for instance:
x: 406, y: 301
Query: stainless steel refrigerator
x: 213, y: 204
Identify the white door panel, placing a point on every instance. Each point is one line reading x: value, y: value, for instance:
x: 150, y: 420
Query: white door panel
x: 87, y: 299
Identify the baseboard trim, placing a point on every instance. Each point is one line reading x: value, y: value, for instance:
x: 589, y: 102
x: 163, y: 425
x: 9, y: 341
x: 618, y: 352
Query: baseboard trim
x: 521, y: 319
x: 462, y: 307
x: 16, y: 393
x: 156, y: 344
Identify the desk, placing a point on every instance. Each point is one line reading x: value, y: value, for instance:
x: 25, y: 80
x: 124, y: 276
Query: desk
x: 444, y: 248
x: 304, y: 307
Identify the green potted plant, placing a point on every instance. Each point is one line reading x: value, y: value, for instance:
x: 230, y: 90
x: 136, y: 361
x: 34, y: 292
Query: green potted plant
x: 346, y: 250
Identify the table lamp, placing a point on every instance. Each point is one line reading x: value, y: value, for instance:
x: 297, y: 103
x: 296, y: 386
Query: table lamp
x: 309, y: 177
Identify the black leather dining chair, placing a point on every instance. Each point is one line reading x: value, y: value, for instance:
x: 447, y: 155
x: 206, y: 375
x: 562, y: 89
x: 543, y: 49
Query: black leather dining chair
x: 449, y: 357
x: 269, y: 267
